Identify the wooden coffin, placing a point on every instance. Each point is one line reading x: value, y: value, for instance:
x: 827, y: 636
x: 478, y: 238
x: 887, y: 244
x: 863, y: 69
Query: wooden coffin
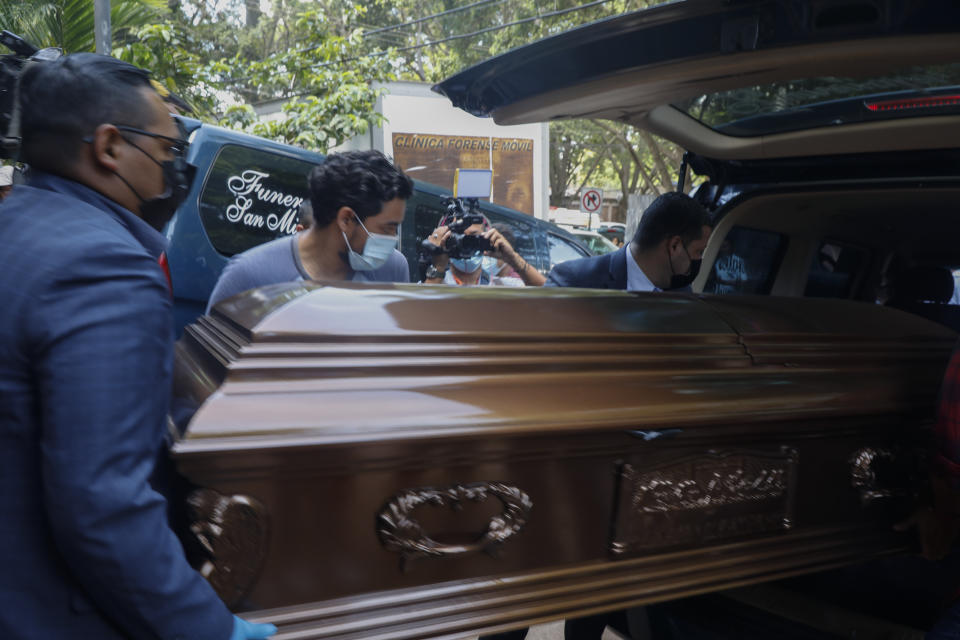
x: 416, y: 462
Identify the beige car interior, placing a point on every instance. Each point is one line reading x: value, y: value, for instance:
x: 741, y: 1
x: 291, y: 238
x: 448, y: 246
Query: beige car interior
x: 918, y: 226
x: 903, y: 226
x: 906, y: 134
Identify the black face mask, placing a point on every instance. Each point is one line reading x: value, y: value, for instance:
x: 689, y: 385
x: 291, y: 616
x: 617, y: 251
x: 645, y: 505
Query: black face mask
x: 682, y: 280
x: 178, y: 176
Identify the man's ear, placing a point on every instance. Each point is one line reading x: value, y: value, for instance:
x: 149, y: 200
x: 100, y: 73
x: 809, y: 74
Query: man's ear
x: 105, y: 144
x: 345, y: 218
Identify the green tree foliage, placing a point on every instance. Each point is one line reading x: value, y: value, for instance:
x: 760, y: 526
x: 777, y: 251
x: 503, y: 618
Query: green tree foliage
x: 612, y: 155
x: 578, y: 149
x: 227, y: 60
x: 433, y: 39
x: 319, y: 59
x: 169, y: 51
x: 326, y: 83
x: 68, y: 24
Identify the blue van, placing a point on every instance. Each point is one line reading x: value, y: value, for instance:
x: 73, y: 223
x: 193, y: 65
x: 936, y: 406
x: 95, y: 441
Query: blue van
x: 248, y: 190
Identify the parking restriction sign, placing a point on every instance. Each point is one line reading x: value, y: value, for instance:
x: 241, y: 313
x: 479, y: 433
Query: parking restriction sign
x: 590, y: 200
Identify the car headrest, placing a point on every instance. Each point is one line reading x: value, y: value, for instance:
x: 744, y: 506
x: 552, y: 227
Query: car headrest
x: 924, y: 284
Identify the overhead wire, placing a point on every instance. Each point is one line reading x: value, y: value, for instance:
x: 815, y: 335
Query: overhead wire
x: 432, y: 43
x: 380, y: 31
x: 441, y: 14
x: 460, y: 36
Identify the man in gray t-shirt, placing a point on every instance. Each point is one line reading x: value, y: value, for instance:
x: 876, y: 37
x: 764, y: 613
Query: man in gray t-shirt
x: 358, y: 200
x: 279, y: 261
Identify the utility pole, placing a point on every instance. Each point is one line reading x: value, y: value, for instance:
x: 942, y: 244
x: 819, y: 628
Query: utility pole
x: 101, y: 26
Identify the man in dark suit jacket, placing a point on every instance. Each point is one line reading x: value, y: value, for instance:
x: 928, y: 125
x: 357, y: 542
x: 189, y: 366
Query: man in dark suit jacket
x: 664, y: 254
x: 85, y: 368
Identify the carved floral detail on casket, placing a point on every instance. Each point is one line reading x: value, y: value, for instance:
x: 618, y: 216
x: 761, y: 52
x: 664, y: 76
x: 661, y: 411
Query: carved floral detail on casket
x: 399, y: 531
x: 232, y: 532
x: 703, y: 498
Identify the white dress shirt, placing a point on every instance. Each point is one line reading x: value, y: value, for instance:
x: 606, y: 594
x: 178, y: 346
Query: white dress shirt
x: 637, y: 280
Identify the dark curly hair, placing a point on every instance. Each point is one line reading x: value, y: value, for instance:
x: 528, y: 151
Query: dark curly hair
x: 361, y: 180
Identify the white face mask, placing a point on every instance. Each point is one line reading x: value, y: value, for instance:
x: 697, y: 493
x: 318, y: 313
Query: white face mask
x: 491, y: 266
x: 376, y: 251
x: 467, y: 265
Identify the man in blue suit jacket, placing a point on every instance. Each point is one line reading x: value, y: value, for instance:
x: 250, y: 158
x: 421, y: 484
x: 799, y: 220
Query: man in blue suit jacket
x: 664, y: 254
x: 85, y: 368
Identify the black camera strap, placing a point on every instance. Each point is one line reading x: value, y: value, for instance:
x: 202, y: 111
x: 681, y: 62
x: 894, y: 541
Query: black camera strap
x: 12, y: 67
x: 11, y: 139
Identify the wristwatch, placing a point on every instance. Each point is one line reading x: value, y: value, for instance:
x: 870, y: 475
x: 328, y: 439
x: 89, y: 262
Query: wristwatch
x: 434, y: 274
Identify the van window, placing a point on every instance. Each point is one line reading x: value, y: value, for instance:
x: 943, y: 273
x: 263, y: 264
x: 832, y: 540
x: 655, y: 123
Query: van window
x: 252, y: 196
x: 747, y: 262
x: 523, y: 235
x: 562, y: 250
x: 834, y: 270
x: 426, y: 220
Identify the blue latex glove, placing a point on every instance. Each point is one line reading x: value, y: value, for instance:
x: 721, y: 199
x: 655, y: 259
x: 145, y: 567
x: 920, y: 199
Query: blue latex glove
x: 243, y: 630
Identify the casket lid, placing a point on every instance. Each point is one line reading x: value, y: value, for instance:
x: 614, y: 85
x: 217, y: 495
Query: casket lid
x: 318, y: 364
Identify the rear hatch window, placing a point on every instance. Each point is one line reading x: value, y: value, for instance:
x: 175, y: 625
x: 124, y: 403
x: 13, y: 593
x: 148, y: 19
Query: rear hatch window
x: 828, y: 101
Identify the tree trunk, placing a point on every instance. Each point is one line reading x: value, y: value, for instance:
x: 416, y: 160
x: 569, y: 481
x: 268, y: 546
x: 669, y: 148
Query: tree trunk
x: 623, y: 205
x: 586, y: 178
x: 253, y: 13
x: 625, y: 143
x: 658, y: 154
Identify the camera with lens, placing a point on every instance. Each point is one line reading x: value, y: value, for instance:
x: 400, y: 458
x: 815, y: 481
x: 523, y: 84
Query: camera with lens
x: 458, y: 219
x: 469, y: 186
x: 11, y: 66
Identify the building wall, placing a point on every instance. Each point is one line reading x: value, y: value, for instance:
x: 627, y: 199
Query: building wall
x: 430, y: 139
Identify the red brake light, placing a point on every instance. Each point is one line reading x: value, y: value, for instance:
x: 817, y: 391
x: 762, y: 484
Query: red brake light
x: 915, y: 103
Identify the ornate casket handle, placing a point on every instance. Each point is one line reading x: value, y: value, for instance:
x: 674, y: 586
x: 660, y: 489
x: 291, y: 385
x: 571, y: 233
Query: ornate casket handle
x: 400, y: 532
x: 864, y: 465
x: 232, y: 533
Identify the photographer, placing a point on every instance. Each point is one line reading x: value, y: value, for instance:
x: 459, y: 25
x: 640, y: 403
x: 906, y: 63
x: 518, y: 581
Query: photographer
x: 456, y: 264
